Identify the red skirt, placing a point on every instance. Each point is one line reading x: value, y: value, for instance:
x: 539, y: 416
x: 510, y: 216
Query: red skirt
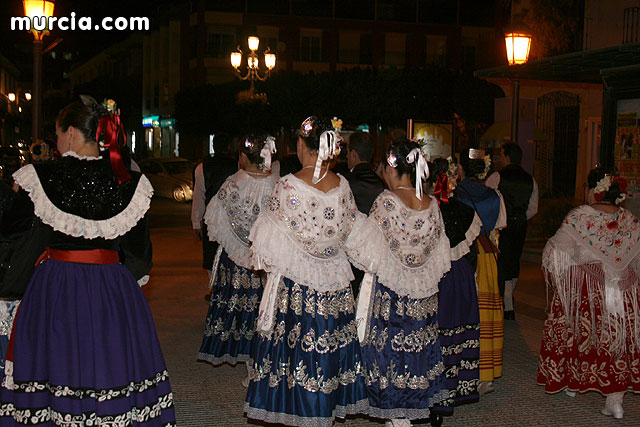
x: 569, y: 360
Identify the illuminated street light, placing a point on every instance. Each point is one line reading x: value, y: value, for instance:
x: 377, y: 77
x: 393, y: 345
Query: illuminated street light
x: 32, y: 9
x: 517, y: 39
x: 253, y: 62
x: 518, y: 42
x: 11, y: 96
x: 27, y: 96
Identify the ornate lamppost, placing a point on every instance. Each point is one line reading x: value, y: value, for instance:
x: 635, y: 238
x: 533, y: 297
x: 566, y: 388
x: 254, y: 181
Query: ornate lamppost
x: 517, y: 38
x: 252, y: 63
x: 39, y: 9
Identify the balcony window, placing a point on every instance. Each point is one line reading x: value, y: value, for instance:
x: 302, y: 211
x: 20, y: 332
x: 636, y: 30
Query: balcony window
x: 349, y: 52
x: 395, y: 49
x: 310, y: 48
x: 436, y: 50
x: 220, y: 45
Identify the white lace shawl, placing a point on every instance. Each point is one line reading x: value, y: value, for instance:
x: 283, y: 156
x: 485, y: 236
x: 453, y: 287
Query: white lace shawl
x: 407, y: 249
x: 301, y: 234
x: 602, y: 250
x: 233, y: 210
x: 463, y: 248
x: 76, y: 226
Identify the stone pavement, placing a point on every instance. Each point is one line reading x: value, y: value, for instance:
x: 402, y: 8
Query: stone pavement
x: 208, y: 396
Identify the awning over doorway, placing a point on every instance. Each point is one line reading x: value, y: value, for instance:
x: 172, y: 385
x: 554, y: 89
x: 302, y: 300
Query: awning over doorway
x: 583, y: 66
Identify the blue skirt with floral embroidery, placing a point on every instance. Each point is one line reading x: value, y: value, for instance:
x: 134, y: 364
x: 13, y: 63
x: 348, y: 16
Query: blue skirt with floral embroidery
x: 459, y: 327
x: 232, y: 315
x: 307, y: 370
x: 402, y: 357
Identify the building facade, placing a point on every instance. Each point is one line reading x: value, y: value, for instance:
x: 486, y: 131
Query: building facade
x: 576, y: 106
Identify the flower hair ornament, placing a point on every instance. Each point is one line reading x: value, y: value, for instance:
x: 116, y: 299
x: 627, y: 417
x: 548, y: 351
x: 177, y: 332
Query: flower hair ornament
x: 110, y: 127
x: 446, y: 182
x: 422, y: 168
x: 392, y: 160
x: 268, y: 149
x: 605, y: 184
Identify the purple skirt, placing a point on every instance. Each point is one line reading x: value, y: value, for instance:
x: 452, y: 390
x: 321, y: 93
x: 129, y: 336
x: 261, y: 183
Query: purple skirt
x: 85, y: 352
x: 459, y: 330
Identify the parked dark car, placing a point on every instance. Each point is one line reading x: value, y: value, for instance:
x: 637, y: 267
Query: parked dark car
x: 171, y: 177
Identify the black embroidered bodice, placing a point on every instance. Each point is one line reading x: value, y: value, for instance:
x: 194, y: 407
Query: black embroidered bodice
x: 86, y: 188
x: 457, y: 220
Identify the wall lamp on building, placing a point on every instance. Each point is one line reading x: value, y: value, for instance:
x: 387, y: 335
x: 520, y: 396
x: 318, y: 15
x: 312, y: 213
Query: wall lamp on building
x: 517, y: 38
x: 253, y: 62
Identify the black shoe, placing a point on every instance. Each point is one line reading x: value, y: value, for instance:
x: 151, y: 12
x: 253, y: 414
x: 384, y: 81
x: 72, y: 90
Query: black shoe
x: 510, y: 315
x: 435, y: 419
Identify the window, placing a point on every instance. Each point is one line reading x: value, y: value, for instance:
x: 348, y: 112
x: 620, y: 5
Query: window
x: 224, y: 5
x: 165, y: 94
x: 394, y: 49
x: 630, y: 31
x: 436, y: 50
x: 220, y: 45
x: 310, y: 48
x: 349, y: 52
x: 156, y: 95
x: 366, y: 57
x: 468, y: 58
x: 312, y: 7
x: 151, y: 167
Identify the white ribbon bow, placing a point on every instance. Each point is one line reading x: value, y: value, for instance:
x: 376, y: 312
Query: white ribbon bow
x: 329, y: 143
x: 422, y: 169
x: 266, y: 152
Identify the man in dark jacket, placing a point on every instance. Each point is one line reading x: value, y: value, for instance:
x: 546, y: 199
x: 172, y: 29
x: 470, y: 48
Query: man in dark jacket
x: 209, y: 177
x: 365, y: 183
x: 520, y: 193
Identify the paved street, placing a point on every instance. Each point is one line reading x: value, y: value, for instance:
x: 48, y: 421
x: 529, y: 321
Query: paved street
x: 208, y: 396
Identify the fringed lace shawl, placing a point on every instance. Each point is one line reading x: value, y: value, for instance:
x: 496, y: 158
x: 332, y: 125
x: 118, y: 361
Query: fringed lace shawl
x: 407, y: 249
x: 232, y: 212
x: 302, y: 232
x: 603, y: 251
x: 72, y: 223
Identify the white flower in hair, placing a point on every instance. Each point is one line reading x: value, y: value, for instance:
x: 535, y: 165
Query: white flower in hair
x: 603, y: 185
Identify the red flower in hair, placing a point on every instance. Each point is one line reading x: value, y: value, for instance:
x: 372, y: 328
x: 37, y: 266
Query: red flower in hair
x: 617, y: 242
x: 613, y: 225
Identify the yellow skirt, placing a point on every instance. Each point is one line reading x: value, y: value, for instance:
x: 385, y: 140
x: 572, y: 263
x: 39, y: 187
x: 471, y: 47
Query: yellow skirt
x: 491, y: 316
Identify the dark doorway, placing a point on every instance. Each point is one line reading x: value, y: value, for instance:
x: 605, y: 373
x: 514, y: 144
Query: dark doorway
x: 565, y: 150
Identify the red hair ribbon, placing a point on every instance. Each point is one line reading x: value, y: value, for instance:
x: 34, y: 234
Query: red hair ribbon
x: 112, y: 127
x: 441, y: 189
x: 622, y: 183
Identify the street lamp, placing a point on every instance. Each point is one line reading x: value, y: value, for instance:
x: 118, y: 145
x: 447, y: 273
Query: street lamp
x: 517, y: 39
x: 253, y: 62
x: 37, y: 9
x: 11, y: 96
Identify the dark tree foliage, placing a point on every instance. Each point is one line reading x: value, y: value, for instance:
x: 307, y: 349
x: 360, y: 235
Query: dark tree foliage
x: 556, y: 26
x: 387, y: 97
